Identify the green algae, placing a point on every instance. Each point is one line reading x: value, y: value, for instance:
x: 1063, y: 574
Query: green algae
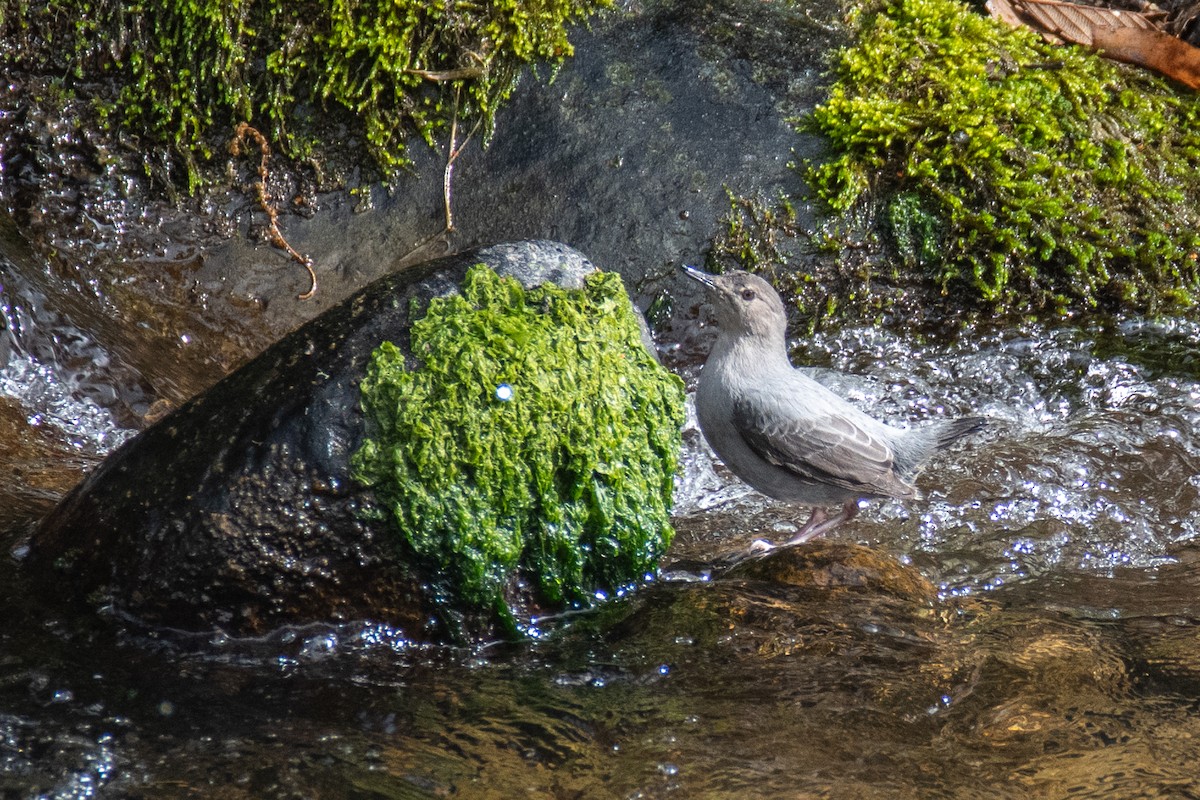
x: 1014, y: 173
x: 187, y: 71
x: 567, y: 483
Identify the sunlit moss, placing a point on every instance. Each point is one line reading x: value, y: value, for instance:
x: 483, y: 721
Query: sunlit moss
x: 190, y: 68
x: 1024, y: 174
x: 537, y: 439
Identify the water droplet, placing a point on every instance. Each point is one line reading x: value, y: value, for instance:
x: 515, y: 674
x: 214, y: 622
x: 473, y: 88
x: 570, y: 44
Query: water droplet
x: 504, y: 392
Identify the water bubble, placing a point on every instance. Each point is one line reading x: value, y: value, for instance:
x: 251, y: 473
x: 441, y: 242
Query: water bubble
x: 319, y: 647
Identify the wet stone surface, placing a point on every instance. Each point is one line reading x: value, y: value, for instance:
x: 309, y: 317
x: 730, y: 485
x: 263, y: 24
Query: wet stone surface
x: 238, y: 511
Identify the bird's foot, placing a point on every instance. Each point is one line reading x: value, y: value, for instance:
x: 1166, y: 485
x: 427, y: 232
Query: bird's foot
x: 820, y: 524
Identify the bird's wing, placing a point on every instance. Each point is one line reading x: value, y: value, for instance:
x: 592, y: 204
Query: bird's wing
x: 822, y: 448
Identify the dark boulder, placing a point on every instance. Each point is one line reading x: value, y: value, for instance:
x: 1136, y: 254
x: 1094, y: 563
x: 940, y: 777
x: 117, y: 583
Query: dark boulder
x: 238, y: 511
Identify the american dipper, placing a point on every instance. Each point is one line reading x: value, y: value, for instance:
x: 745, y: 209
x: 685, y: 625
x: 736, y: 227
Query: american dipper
x: 787, y: 435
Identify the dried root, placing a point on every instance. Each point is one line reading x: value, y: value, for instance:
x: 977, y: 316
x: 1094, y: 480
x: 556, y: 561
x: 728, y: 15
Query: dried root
x: 246, y: 131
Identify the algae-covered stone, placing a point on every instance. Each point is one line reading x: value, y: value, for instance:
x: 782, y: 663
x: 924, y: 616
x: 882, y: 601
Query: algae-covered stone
x: 240, y: 510
x: 537, y: 436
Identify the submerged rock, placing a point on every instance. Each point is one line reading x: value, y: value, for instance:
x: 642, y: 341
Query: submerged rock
x: 836, y: 568
x: 242, y: 510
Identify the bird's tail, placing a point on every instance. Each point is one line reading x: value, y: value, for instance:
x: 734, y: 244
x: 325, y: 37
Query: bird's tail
x: 919, y: 443
x: 954, y: 429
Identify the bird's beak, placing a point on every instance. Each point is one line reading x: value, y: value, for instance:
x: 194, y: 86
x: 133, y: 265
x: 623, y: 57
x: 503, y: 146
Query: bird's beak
x: 699, y: 275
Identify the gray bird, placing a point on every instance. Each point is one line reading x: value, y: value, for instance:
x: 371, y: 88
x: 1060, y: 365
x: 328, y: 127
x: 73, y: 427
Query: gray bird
x: 788, y: 436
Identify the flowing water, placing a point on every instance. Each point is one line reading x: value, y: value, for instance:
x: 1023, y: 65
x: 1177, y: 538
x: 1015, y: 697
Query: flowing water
x: 1029, y: 629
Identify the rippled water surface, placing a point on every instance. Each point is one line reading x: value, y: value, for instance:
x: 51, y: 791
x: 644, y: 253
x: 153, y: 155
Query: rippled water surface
x: 1027, y: 630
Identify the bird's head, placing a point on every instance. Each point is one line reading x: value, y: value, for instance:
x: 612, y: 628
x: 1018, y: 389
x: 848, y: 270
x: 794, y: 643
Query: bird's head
x: 744, y: 303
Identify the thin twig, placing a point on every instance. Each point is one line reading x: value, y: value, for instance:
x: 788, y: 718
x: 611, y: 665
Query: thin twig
x: 244, y: 130
x: 451, y: 155
x: 457, y: 74
x: 441, y: 76
x: 453, y: 151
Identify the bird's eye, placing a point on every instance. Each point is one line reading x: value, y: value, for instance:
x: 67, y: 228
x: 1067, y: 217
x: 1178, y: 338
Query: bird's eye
x: 748, y: 294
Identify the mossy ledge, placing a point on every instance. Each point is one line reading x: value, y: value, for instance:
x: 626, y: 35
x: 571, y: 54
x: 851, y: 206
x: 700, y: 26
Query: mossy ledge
x: 312, y: 75
x: 1014, y: 174
x: 535, y: 444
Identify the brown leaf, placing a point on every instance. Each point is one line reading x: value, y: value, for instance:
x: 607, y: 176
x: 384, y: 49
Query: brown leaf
x: 1121, y: 35
x: 1155, y: 50
x: 1003, y: 10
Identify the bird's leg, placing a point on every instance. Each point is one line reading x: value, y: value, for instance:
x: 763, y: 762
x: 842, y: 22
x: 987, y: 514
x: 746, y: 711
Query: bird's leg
x: 819, y: 525
x: 816, y: 519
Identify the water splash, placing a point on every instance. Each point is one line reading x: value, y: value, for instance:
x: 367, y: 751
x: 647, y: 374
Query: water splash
x: 62, y: 376
x: 51, y: 401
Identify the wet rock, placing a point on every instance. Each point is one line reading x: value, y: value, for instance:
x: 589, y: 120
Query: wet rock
x: 45, y: 465
x: 238, y: 510
x: 629, y: 154
x: 837, y: 568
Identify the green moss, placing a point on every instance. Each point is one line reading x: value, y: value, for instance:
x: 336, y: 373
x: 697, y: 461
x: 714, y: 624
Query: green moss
x: 916, y: 230
x: 567, y: 483
x: 753, y: 232
x: 192, y: 69
x: 1025, y: 174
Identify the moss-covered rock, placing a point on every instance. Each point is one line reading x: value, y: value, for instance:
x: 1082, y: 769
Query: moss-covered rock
x: 187, y: 71
x: 1016, y: 173
x: 536, y: 439
x: 245, y: 509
